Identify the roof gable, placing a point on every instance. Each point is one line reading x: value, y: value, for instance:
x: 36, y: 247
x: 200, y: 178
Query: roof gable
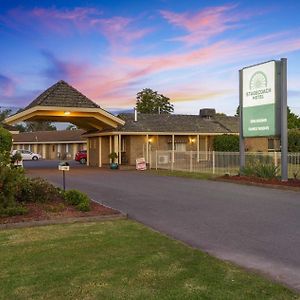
x: 61, y: 94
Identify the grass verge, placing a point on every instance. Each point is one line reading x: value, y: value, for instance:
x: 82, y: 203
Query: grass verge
x: 183, y: 174
x: 118, y: 260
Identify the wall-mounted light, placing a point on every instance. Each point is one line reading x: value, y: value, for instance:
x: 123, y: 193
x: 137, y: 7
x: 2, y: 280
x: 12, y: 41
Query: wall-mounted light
x: 66, y: 113
x: 150, y: 140
x: 192, y: 140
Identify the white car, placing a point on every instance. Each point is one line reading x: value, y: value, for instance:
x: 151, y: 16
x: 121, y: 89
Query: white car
x: 27, y: 155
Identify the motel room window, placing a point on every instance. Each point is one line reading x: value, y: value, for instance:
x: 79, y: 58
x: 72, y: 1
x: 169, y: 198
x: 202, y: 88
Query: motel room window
x: 181, y: 147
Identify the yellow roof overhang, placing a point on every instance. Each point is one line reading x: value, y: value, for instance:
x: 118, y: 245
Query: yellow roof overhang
x: 86, y: 118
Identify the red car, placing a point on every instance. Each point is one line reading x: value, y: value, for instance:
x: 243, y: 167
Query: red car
x: 81, y: 156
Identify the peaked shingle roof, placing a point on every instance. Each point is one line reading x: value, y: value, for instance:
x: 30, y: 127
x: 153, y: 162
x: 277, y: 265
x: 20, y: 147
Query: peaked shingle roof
x: 62, y: 94
x: 49, y: 136
x: 178, y: 123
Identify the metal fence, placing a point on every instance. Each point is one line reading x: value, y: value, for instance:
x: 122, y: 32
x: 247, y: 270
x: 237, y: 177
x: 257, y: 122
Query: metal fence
x: 218, y: 163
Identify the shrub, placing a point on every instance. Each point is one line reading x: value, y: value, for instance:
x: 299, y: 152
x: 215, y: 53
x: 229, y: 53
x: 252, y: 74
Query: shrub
x: 10, y: 180
x: 80, y: 200
x: 294, y: 140
x: 12, y: 211
x: 226, y: 143
x: 5, y: 140
x: 260, y: 169
x: 37, y: 190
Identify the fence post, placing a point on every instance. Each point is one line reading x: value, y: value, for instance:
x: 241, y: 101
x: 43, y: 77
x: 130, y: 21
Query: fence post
x: 156, y: 160
x: 191, y: 161
x: 275, y: 159
x: 214, y: 162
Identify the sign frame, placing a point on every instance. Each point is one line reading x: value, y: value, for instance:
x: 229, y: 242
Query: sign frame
x: 280, y: 102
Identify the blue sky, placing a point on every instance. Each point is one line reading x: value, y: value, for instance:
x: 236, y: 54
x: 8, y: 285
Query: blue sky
x: 190, y: 51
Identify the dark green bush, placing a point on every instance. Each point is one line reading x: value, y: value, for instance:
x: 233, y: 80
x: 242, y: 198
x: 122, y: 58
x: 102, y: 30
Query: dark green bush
x: 80, y: 200
x: 12, y: 211
x: 37, y: 190
x: 260, y: 169
x: 5, y: 140
x: 226, y: 143
x: 294, y: 140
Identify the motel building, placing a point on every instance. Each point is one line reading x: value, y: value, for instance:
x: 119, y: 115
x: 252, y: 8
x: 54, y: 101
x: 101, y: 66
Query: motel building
x: 130, y: 135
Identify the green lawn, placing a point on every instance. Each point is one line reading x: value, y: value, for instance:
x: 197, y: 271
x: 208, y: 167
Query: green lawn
x: 184, y: 174
x: 118, y: 260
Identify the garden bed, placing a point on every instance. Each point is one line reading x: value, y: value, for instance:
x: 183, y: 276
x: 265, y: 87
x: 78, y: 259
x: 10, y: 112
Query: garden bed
x: 56, y: 209
x: 293, y: 184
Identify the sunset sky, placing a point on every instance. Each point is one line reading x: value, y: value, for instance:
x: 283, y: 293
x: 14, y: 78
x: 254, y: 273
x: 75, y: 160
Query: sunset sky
x: 190, y: 51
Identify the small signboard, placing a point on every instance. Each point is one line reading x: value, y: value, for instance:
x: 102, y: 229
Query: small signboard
x: 63, y: 168
x: 141, y: 164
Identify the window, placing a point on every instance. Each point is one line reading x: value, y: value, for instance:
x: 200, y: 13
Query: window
x: 180, y: 147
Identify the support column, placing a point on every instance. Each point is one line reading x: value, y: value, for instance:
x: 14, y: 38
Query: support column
x: 198, y: 148
x: 116, y: 144
x: 206, y: 147
x: 110, y: 148
x: 100, y: 152
x: 44, y: 151
x: 120, y: 150
x: 147, y: 149
x: 88, y: 152
x: 173, y: 150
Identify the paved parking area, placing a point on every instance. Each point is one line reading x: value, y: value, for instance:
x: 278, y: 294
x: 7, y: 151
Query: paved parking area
x: 255, y: 227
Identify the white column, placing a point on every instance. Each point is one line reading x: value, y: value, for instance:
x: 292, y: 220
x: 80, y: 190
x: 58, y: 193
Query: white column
x: 116, y: 145
x: 88, y: 152
x: 120, y: 150
x: 100, y: 154
x: 198, y: 148
x: 110, y: 148
x: 147, y: 149
x: 173, y: 148
x: 206, y: 147
x: 44, y: 151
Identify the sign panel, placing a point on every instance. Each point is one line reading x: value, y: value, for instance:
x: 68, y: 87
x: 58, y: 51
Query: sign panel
x: 141, y: 164
x: 259, y: 100
x: 63, y: 168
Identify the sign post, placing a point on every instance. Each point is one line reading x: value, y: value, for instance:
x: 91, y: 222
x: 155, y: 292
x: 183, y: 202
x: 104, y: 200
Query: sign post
x: 263, y: 105
x: 64, y: 166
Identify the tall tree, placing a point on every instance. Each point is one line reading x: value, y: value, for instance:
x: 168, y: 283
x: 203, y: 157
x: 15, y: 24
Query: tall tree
x: 149, y: 101
x: 39, y: 126
x: 293, y: 119
x: 4, y: 114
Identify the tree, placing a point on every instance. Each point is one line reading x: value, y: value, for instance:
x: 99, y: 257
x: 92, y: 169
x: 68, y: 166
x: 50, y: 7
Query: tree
x: 4, y: 114
x: 39, y: 126
x: 5, y: 140
x: 71, y: 127
x: 293, y: 119
x: 294, y: 140
x: 149, y: 102
x: 226, y: 143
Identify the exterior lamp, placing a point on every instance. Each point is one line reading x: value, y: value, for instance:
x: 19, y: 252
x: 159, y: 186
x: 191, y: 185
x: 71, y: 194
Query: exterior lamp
x: 66, y: 113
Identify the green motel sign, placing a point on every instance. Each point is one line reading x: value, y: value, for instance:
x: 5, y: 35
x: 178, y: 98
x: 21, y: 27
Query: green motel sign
x: 260, y: 112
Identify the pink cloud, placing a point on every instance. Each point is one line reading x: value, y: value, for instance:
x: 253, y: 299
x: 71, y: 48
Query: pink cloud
x: 203, y: 25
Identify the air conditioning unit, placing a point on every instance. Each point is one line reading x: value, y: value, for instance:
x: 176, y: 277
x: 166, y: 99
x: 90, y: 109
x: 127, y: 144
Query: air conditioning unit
x: 163, y: 159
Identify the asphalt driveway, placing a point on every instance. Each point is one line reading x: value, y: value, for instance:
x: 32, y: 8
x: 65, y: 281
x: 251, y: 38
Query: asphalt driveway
x: 255, y: 227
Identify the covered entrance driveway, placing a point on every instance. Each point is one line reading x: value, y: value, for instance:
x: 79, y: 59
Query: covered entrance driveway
x: 255, y: 227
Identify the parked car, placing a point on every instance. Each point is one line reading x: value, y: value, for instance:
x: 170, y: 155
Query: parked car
x: 81, y: 156
x: 27, y: 155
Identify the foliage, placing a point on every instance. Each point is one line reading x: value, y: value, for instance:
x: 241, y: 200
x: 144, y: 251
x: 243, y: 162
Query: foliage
x: 39, y: 126
x: 259, y: 168
x: 5, y: 140
x: 113, y: 156
x: 10, y: 180
x: 12, y: 211
x: 36, y: 190
x: 226, y: 142
x: 80, y: 200
x: 293, y: 119
x: 149, y: 101
x: 4, y: 114
x: 71, y: 127
x: 294, y: 140
x: 16, y: 157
